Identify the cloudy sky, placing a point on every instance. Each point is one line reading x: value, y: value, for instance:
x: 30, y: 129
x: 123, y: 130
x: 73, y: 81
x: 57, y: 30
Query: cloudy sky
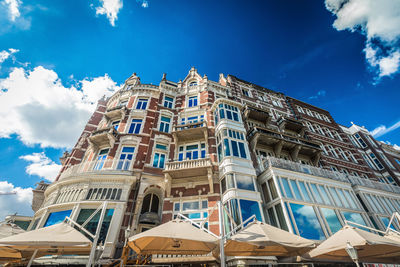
x: 58, y: 57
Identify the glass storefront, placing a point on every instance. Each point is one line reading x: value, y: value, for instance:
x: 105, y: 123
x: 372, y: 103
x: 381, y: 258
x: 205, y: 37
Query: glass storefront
x: 57, y: 217
x: 308, y: 225
x: 91, y: 226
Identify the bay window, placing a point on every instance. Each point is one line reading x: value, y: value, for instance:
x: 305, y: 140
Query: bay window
x: 231, y: 143
x: 192, y: 151
x: 225, y: 111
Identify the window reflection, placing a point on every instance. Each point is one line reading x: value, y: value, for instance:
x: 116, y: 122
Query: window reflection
x: 91, y: 226
x: 245, y: 183
x: 354, y: 217
x: 295, y: 189
x: 304, y: 191
x: 57, y: 217
x: 250, y: 208
x: 287, y: 188
x: 307, y: 222
x: 332, y: 219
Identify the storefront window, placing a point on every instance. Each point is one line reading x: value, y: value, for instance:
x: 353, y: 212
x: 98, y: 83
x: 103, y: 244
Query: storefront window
x: 57, y: 217
x: 295, y: 189
x: 304, y: 191
x: 307, y: 222
x: 286, y: 186
x: 332, y: 219
x: 316, y: 193
x: 91, y: 226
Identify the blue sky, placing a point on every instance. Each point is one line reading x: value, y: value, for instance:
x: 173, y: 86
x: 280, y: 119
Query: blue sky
x: 58, y: 57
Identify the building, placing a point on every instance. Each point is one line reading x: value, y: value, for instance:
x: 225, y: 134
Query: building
x: 153, y: 151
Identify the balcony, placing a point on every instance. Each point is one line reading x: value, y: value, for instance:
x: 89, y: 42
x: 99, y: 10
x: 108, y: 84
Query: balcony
x: 188, y: 168
x: 149, y: 218
x: 280, y: 141
x: 291, y: 125
x: 302, y: 168
x: 253, y: 113
x: 190, y: 131
x: 117, y: 112
x: 106, y: 136
x: 373, y: 184
x: 116, y: 166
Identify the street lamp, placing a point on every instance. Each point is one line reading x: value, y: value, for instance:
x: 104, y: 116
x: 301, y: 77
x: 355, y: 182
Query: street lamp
x: 352, y: 253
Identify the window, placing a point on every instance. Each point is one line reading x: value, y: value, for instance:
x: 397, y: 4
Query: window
x: 300, y: 109
x: 385, y: 159
x: 125, y: 158
x: 308, y: 225
x: 276, y: 102
x: 352, y: 157
x: 354, y: 217
x: 136, y: 124
x: 150, y: 203
x: 194, y: 210
x: 316, y: 114
x: 245, y: 92
x: 338, y: 137
x: 332, y: 219
x: 115, y: 125
x: 332, y: 151
x: 123, y: 102
x: 192, y: 101
x: 319, y: 129
x: 159, y: 160
x: 192, y: 84
x: 160, y: 153
x: 91, y: 226
x: 249, y: 208
x: 168, y: 102
x: 192, y: 151
x: 309, y: 113
x: 244, y: 182
x: 57, y: 217
x: 141, y: 103
x: 371, y: 141
x: 229, y: 143
x: 286, y: 186
x: 225, y: 111
x: 368, y: 160
x: 376, y: 161
x: 329, y: 133
x: 164, y: 124
x: 326, y: 118
x: 310, y: 126
x: 101, y: 158
x: 342, y: 154
x: 360, y: 140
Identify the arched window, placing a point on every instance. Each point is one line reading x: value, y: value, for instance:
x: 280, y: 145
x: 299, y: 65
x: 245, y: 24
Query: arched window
x: 150, y: 203
x: 192, y: 83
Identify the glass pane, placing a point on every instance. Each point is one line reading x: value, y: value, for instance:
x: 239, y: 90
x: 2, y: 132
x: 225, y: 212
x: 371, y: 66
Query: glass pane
x: 288, y: 191
x: 354, y: 217
x: 316, y: 193
x: 190, y: 205
x: 350, y: 199
x: 272, y: 218
x: 250, y: 208
x: 325, y: 195
x: 242, y: 150
x: 244, y: 182
x: 307, y: 222
x: 343, y: 198
x: 304, y: 191
x: 335, y: 197
x: 332, y: 219
x: 223, y: 185
x: 295, y: 189
x: 281, y: 217
x: 57, y: 217
x: 229, y: 181
x: 386, y: 221
x: 204, y: 204
x: 235, y: 149
x: 265, y: 192
x: 146, y: 204
x: 235, y: 211
x: 154, y: 204
x: 226, y: 147
x: 91, y: 226
x: 272, y: 188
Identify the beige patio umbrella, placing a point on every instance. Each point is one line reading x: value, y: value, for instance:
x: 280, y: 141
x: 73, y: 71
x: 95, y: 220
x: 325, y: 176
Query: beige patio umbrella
x: 260, y: 239
x: 369, y: 247
x: 8, y: 229
x: 175, y: 237
x: 56, y: 239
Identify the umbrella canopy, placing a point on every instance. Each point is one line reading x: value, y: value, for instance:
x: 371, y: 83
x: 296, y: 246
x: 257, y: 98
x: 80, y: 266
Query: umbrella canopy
x: 175, y: 237
x: 56, y: 239
x: 260, y: 239
x: 9, y: 229
x: 369, y: 246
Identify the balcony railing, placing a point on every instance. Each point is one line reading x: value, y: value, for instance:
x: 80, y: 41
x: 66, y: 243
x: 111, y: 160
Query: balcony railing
x: 303, y: 168
x: 319, y: 172
x: 281, y: 136
x: 373, y: 184
x: 97, y: 167
x: 190, y: 126
x: 187, y: 164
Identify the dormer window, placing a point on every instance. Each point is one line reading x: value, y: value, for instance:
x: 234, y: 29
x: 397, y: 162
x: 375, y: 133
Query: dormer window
x: 192, y: 84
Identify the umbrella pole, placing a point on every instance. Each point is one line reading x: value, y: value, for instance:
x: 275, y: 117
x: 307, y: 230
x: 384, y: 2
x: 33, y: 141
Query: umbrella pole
x: 32, y: 258
x: 221, y: 233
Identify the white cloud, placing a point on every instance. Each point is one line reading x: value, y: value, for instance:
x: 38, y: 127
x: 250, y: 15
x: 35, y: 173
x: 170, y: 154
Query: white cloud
x: 41, y: 166
x: 4, y: 55
x: 36, y: 106
x: 110, y: 8
x: 13, y: 8
x: 382, y: 129
x: 19, y: 202
x: 379, y: 21
x: 318, y: 94
x: 143, y: 3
